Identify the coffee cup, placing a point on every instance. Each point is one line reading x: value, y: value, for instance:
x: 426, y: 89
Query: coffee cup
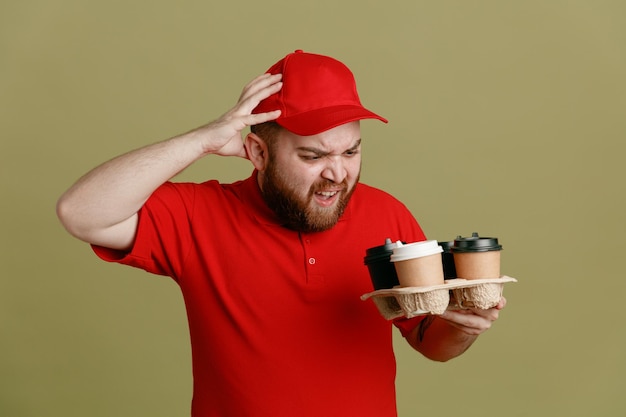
x: 382, y: 271
x: 418, y: 264
x: 447, y: 258
x: 476, y: 257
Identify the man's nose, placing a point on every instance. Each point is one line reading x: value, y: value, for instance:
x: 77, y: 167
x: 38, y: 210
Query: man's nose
x: 335, y: 170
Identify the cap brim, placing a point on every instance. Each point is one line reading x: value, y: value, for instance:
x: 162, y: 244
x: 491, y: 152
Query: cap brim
x: 321, y: 120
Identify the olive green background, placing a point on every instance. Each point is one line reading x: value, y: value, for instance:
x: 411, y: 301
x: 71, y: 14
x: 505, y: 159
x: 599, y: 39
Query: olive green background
x: 505, y: 119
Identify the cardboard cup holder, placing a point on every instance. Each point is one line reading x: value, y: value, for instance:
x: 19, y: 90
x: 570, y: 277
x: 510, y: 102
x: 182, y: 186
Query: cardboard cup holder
x: 454, y: 294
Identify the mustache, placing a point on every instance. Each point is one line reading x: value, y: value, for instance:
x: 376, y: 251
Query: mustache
x: 327, y: 185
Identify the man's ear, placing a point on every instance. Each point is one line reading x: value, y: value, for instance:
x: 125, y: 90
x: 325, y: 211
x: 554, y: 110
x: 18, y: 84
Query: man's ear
x: 257, y: 151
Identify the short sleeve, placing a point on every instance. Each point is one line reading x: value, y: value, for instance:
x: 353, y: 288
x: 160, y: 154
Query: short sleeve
x: 163, y: 232
x: 406, y: 326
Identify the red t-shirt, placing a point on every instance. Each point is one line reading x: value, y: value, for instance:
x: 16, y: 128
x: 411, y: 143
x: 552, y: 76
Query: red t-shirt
x: 276, y: 323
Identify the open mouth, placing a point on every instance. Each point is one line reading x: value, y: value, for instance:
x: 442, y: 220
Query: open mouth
x: 326, y: 198
x: 325, y: 195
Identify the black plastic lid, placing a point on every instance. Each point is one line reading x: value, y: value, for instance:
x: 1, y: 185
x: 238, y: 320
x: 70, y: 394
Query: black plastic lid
x: 379, y: 252
x: 475, y: 243
x: 446, y: 246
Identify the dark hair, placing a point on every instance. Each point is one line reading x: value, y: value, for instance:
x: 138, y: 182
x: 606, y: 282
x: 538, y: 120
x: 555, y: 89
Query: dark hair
x: 267, y: 131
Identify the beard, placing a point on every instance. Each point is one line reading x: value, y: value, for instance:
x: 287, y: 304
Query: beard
x: 301, y: 213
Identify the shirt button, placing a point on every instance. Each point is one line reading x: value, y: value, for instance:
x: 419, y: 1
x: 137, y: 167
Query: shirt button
x: 312, y: 261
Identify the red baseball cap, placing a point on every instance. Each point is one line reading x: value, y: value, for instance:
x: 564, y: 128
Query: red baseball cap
x: 318, y: 93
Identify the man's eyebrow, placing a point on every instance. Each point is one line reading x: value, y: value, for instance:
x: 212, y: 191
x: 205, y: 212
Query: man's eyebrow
x: 356, y: 145
x: 321, y: 152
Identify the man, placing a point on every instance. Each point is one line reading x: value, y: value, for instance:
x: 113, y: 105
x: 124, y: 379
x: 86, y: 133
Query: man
x: 271, y: 267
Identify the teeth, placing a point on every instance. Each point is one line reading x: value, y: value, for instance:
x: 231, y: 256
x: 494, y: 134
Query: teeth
x: 328, y: 193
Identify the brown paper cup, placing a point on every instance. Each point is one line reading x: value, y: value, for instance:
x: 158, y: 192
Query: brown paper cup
x: 477, y: 265
x: 420, y: 272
